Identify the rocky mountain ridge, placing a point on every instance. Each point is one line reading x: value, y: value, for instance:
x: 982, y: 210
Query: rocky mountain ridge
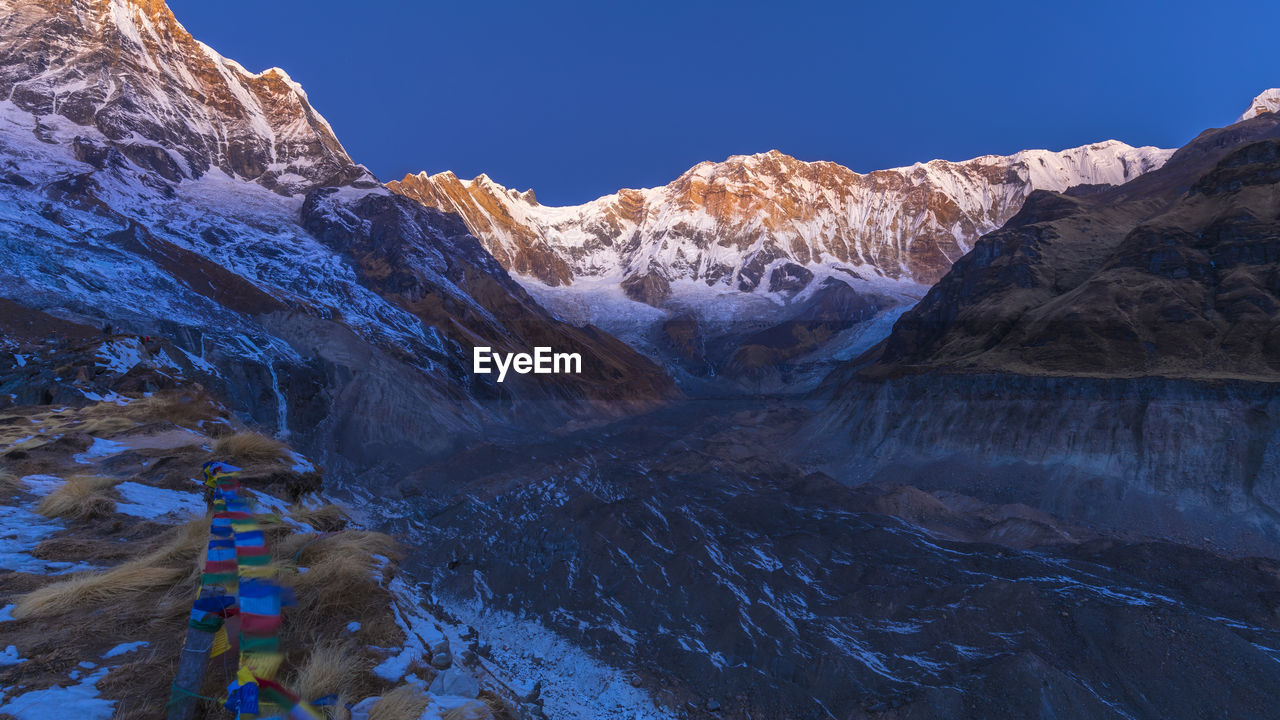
x: 727, y: 223
x: 763, y: 261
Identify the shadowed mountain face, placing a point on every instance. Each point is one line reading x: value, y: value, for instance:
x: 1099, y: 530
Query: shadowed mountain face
x: 1176, y: 274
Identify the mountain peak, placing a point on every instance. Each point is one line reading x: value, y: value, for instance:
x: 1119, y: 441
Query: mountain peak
x: 257, y: 126
x: 1267, y: 101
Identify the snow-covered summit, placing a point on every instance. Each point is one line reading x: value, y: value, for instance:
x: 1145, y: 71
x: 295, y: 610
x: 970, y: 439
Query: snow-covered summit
x: 1266, y: 101
x: 728, y: 223
x: 128, y: 69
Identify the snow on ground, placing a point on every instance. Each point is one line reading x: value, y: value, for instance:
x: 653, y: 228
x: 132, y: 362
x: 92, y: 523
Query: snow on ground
x: 125, y: 648
x: 110, y: 396
x: 42, y: 485
x: 145, y: 501
x: 100, y: 449
x: 575, y: 686
x: 9, y: 656
x: 79, y: 701
x: 120, y: 356
x: 300, y: 463
x: 6, y: 613
x: 419, y: 630
x: 21, y: 530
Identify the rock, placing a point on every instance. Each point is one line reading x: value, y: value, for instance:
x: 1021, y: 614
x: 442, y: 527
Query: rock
x: 440, y: 646
x: 713, y: 705
x: 649, y: 288
x: 455, y: 682
x: 789, y: 278
x: 442, y: 661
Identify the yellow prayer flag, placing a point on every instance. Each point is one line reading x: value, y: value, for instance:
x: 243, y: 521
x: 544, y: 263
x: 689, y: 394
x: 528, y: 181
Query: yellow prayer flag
x: 220, y: 643
x: 263, y: 665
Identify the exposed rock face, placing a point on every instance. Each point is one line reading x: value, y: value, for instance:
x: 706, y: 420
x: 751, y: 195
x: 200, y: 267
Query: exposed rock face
x: 161, y: 98
x: 1176, y: 459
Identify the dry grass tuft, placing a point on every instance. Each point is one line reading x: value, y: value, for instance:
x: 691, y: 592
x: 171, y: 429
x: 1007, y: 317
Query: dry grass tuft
x: 331, y: 668
x: 105, y: 425
x: 95, y: 589
x: 81, y: 497
x: 326, y: 518
x: 163, y: 569
x: 404, y: 703
x: 178, y: 408
x: 341, y: 583
x: 250, y: 447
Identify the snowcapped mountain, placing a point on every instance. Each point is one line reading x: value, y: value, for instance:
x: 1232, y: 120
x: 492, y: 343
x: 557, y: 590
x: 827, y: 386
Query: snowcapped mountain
x: 163, y: 99
x: 750, y: 246
x: 150, y: 185
x: 1266, y: 101
x: 728, y: 223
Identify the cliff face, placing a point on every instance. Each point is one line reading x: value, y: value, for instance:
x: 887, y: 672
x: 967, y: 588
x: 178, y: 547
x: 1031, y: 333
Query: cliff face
x: 1186, y: 461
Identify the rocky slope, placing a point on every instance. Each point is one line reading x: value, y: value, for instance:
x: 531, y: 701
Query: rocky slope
x: 766, y: 238
x: 151, y: 185
x: 1144, y: 316
x: 686, y: 551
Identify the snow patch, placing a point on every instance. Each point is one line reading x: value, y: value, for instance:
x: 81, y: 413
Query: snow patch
x: 146, y: 501
x: 125, y: 648
x: 42, y: 485
x: 120, y: 356
x: 9, y: 656
x: 99, y: 449
x: 79, y: 701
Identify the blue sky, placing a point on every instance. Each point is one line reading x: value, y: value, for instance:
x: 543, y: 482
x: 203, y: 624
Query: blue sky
x: 578, y: 99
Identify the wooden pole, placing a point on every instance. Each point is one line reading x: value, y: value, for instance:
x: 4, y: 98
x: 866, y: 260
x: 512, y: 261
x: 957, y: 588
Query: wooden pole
x: 190, y: 675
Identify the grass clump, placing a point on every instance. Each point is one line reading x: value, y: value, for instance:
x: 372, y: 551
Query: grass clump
x: 169, y: 566
x: 246, y: 448
x: 340, y: 568
x: 332, y: 668
x: 325, y: 518
x: 404, y: 703
x: 178, y: 408
x: 79, y: 498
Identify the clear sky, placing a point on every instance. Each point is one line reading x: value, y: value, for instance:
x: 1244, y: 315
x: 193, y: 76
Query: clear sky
x: 578, y: 99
